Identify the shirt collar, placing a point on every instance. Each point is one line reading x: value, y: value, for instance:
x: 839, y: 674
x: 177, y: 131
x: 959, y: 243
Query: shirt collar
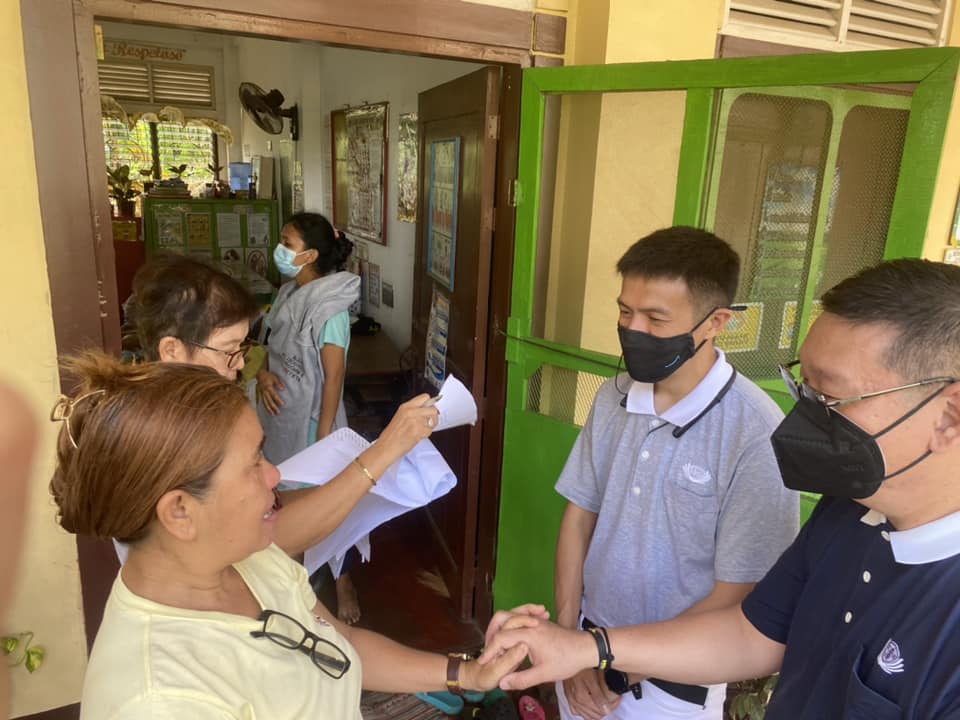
x: 640, y: 395
x: 928, y: 543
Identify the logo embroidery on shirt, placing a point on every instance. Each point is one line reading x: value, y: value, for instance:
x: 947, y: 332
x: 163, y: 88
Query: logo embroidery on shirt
x: 889, y: 658
x: 696, y: 474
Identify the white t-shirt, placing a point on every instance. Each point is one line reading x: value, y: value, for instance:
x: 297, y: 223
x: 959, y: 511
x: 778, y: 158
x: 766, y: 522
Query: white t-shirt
x: 155, y: 661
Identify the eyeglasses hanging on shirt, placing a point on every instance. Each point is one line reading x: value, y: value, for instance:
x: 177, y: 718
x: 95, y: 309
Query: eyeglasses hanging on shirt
x: 289, y: 633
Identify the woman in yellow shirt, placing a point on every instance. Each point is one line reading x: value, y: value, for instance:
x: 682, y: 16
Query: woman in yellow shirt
x: 208, y: 618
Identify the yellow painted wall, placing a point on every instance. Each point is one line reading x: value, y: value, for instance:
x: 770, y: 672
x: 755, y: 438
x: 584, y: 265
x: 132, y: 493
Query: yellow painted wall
x: 647, y: 30
x: 639, y: 145
x: 945, y: 198
x: 47, y: 595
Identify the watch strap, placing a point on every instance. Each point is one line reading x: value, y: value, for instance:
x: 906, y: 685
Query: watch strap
x: 454, y: 660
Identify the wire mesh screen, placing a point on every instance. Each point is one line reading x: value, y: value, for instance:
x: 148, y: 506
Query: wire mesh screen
x: 799, y: 224
x: 865, y: 180
x: 562, y: 394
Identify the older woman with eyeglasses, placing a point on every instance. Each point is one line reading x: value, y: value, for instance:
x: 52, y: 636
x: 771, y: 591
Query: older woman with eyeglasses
x: 208, y: 618
x: 189, y: 312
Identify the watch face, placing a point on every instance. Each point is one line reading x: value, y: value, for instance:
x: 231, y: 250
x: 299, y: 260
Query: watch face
x: 617, y: 681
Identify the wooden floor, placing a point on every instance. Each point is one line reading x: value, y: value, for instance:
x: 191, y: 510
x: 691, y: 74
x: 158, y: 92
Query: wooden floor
x: 394, y: 601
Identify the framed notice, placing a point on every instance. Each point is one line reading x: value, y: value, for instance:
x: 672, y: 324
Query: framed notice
x: 359, y: 154
x: 443, y: 189
x: 407, y: 149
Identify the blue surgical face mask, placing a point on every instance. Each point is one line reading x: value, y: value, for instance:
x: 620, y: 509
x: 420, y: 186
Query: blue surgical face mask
x: 283, y: 257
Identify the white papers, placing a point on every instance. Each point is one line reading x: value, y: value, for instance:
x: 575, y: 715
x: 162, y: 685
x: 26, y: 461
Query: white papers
x: 456, y: 405
x: 417, y: 479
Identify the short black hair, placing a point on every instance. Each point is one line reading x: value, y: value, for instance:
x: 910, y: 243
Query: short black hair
x: 708, y: 265
x: 181, y: 297
x: 919, y: 300
x: 332, y: 246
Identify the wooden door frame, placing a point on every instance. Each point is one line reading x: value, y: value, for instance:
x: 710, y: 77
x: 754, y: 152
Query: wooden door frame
x: 59, y: 51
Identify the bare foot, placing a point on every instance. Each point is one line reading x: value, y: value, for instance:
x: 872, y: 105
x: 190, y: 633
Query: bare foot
x: 348, y: 607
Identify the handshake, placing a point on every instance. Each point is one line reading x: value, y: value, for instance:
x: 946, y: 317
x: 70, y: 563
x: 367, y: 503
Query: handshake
x: 555, y: 653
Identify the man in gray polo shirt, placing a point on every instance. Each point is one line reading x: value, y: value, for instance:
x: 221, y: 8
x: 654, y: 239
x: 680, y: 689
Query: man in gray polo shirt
x: 675, y: 499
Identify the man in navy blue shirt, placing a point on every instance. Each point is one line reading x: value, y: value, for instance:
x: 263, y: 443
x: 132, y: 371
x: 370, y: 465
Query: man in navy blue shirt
x: 861, y: 614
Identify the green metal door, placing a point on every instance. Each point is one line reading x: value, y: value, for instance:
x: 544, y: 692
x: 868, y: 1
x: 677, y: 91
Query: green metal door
x: 610, y: 153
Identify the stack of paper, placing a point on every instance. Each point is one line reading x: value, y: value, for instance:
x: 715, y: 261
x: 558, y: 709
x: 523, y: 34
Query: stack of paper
x: 417, y: 479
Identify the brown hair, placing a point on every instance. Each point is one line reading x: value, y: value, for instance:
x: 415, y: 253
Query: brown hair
x: 178, y: 296
x: 133, y: 433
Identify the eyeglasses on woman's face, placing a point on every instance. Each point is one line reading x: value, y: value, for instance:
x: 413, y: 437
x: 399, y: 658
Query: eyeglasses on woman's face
x: 233, y: 356
x: 287, y: 632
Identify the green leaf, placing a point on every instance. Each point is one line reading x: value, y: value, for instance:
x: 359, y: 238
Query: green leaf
x: 8, y: 643
x: 34, y: 658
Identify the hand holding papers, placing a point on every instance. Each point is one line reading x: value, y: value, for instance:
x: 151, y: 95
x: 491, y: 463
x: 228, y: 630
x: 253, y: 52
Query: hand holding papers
x: 455, y: 404
x: 417, y: 479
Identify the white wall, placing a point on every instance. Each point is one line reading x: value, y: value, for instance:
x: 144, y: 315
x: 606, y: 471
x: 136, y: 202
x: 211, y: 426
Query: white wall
x: 350, y: 77
x: 323, y: 79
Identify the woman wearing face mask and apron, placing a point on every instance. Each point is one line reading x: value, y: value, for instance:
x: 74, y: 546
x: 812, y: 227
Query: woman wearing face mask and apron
x: 300, y: 388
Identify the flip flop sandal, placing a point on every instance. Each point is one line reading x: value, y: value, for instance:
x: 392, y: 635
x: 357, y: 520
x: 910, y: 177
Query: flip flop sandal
x: 445, y: 702
x: 530, y: 709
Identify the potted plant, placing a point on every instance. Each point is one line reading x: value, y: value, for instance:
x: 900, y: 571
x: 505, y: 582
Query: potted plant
x: 122, y: 189
x: 178, y: 170
x: 221, y: 188
x: 147, y: 175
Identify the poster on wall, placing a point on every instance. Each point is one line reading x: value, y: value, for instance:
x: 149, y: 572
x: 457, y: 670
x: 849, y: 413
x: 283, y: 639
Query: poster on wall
x: 443, y: 189
x: 366, y: 131
x: 228, y: 229
x: 256, y: 260
x: 743, y: 331
x: 170, y: 229
x: 373, y: 284
x: 788, y: 325
x: 407, y: 168
x: 258, y: 229
x: 198, y: 230
x: 435, y: 366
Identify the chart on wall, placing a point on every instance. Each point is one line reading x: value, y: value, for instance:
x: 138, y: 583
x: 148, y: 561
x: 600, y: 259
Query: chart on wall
x: 443, y: 189
x: 407, y: 149
x: 359, y: 169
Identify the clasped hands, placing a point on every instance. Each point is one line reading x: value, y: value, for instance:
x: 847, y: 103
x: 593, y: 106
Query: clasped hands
x: 555, y: 653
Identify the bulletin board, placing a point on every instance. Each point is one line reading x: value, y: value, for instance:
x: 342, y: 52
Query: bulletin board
x: 237, y: 235
x: 359, y: 151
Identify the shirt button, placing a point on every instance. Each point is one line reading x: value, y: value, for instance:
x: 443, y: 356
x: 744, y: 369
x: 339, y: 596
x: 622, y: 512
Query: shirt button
x: 645, y: 454
x: 866, y: 576
x: 636, y: 490
x: 848, y: 617
x: 885, y: 535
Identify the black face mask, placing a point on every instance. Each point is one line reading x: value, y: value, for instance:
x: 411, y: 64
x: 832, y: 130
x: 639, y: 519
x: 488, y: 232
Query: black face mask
x: 651, y: 359
x: 821, y: 451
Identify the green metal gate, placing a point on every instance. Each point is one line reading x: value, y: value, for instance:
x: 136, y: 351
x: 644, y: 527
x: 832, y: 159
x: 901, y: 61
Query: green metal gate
x: 559, y: 350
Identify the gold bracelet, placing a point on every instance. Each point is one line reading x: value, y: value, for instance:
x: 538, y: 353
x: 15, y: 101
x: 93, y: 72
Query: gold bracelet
x: 363, y: 469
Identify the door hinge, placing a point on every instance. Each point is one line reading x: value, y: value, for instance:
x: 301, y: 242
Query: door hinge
x: 513, y: 192
x: 493, y: 127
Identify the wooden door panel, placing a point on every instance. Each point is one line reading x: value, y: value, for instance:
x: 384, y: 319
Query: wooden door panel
x: 465, y: 108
